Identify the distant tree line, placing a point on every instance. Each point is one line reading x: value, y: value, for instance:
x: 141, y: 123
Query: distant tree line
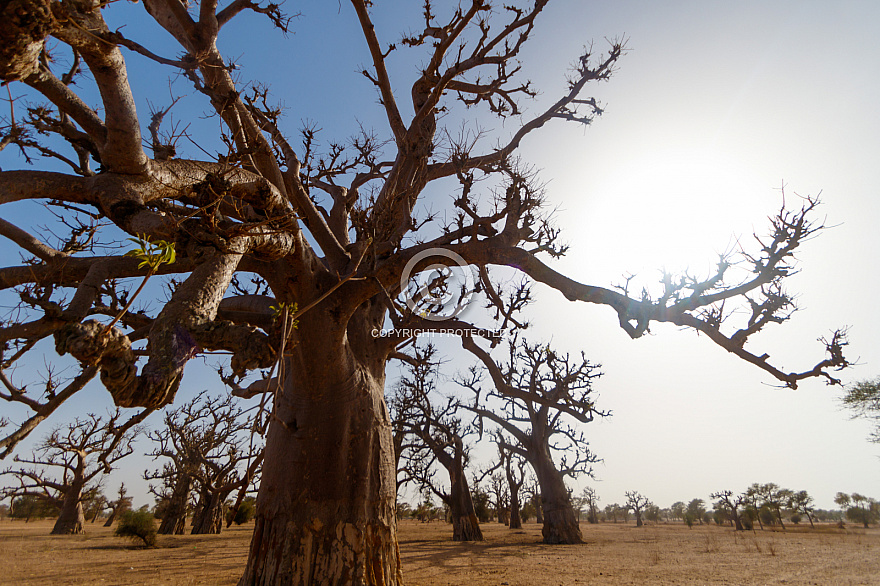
x: 211, y: 450
x: 758, y: 507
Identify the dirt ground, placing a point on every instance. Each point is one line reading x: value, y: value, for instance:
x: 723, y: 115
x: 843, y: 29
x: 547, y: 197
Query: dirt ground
x: 615, y: 554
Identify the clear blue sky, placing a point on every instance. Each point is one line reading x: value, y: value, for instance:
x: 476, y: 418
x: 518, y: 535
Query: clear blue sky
x: 715, y: 105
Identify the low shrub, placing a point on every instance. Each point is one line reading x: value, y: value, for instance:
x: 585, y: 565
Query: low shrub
x: 138, y: 525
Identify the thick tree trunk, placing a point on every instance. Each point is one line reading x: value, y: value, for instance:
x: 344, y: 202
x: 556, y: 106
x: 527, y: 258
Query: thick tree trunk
x: 114, y: 513
x: 515, y: 518
x: 71, y: 519
x: 173, y: 525
x: 174, y: 518
x: 737, y: 524
x: 465, y: 525
x: 208, y: 519
x: 325, y: 510
x: 560, y: 522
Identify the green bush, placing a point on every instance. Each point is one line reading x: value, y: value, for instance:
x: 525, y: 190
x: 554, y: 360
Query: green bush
x: 766, y: 516
x: 138, y: 524
x: 245, y: 512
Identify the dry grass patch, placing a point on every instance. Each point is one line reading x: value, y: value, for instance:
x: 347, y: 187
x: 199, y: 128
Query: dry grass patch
x: 615, y: 554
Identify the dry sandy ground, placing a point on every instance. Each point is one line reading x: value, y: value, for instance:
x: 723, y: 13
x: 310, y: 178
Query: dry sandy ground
x: 614, y: 554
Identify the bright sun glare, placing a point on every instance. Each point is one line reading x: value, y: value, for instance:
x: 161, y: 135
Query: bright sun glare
x: 677, y: 209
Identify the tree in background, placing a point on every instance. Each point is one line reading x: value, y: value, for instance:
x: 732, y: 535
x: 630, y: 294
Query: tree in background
x: 533, y: 492
x: 119, y: 505
x: 177, y: 441
x: 623, y: 511
x: 859, y: 508
x: 731, y: 505
x: 637, y: 503
x: 591, y: 501
x: 437, y: 437
x: 802, y: 503
x: 653, y: 513
x: 539, y: 391
x: 68, y: 464
x: 94, y: 502
x: 29, y: 507
x: 752, y: 497
x: 774, y: 498
x: 514, y: 467
x: 677, y: 510
x: 332, y: 230
x: 427, y: 510
x: 172, y: 492
x: 482, y: 504
x: 211, y: 449
x: 694, y: 512
x: 863, y: 398
x: 611, y: 512
x: 499, y: 493
x: 242, y: 514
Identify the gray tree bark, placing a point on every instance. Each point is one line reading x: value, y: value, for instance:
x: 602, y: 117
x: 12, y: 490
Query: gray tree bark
x: 71, y: 520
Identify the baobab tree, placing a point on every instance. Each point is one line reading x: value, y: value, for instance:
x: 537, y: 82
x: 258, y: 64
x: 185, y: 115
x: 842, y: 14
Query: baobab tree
x: 591, y: 500
x: 731, y: 505
x: 209, y: 444
x: 637, y: 503
x: 68, y: 465
x: 438, y: 437
x: 172, y: 489
x: 335, y: 231
x: 500, y: 497
x: 173, y: 483
x: 514, y: 467
x: 537, y: 391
